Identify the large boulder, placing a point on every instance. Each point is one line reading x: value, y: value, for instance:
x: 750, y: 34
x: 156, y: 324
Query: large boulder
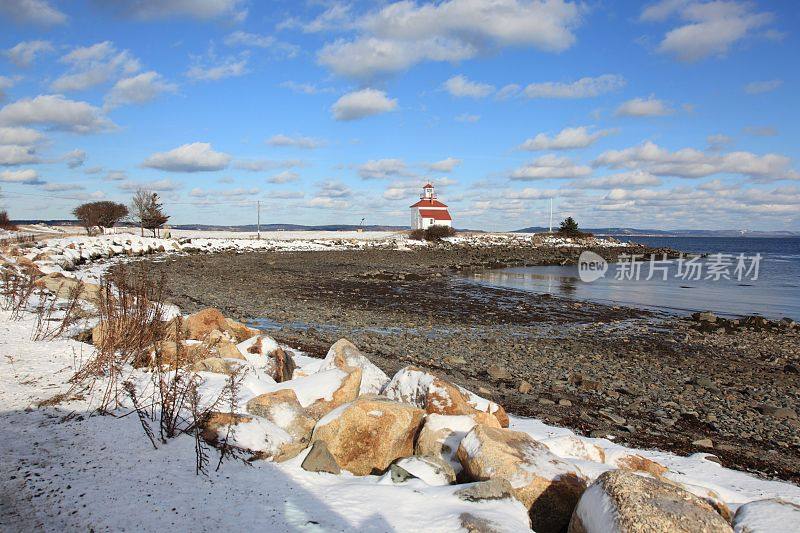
x: 434, y: 471
x: 767, y: 516
x: 441, y: 435
x: 283, y: 409
x: 200, y: 324
x: 222, y: 344
x: 344, y: 354
x: 64, y: 287
x: 262, y: 438
x: 239, y: 331
x: 435, y: 395
x: 620, y: 501
x: 370, y: 433
x: 546, y: 485
x: 264, y: 353
x: 322, y: 392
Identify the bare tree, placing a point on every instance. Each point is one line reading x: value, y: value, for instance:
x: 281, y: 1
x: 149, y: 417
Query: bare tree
x: 148, y: 211
x: 100, y: 214
x: 139, y: 205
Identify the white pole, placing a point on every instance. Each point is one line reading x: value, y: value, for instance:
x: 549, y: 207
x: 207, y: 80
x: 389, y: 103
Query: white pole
x: 551, y: 215
x: 258, y: 221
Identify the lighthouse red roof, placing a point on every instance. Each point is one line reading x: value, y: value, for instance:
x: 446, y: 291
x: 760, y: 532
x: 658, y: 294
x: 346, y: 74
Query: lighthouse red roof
x: 428, y: 186
x: 435, y: 214
x: 428, y: 202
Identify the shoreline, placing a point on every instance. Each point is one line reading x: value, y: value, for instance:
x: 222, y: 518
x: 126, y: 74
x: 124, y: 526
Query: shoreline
x: 589, y: 366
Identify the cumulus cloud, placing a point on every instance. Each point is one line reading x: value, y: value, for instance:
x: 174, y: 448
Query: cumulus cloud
x: 94, y: 65
x: 296, y: 141
x: 193, y: 157
x: 718, y: 141
x: 20, y: 136
x: 630, y: 180
x: 213, y: 68
x: 709, y: 28
x: 566, y: 139
x: 331, y: 194
x: 286, y: 176
x: 693, y: 163
x: 62, y: 187
x: 550, y: 167
x: 38, y: 12
x: 461, y: 87
x: 761, y: 87
x: 583, y: 88
x: 361, y: 104
x: 644, y: 107
x: 381, y: 168
x: 116, y: 175
x: 24, y: 54
x: 163, y: 9
x: 165, y: 185
x: 57, y: 112
x: 445, y: 165
x: 75, y: 158
x: 26, y: 177
x: 12, y: 154
x: 5, y: 83
x: 139, y: 89
x: 402, y: 34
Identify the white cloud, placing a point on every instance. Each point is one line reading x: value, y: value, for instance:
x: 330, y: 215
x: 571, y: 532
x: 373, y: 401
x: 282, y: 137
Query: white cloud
x: 75, y: 158
x: 566, y: 139
x: 632, y: 180
x: 193, y: 157
x: 445, y: 165
x: 138, y: 89
x: 255, y: 40
x: 692, y: 163
x: 258, y: 165
x: 196, y: 9
x: 402, y: 34
x: 297, y: 141
x: 760, y: 87
x: 20, y: 136
x: 94, y: 65
x: 337, y: 17
x: 508, y: 91
x: 331, y: 194
x: 62, y: 187
x: 550, y: 167
x: 462, y: 87
x: 381, y: 168
x: 57, y: 112
x: 116, y: 175
x: 5, y: 83
x: 213, y: 68
x: 165, y: 185
x: 13, y: 154
x: 710, y: 28
x: 644, y: 107
x: 286, y: 176
x: 24, y: 53
x: 583, y: 88
x: 38, y: 12
x: 287, y: 195
x: 718, y: 141
x: 361, y: 104
x: 305, y: 88
x: 27, y: 177
x: 467, y: 118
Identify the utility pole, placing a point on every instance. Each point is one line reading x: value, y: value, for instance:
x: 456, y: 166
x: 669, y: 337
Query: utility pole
x: 551, y: 215
x: 258, y: 223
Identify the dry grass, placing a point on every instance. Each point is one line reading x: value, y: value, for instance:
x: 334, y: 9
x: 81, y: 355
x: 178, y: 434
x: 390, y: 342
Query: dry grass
x: 16, y: 292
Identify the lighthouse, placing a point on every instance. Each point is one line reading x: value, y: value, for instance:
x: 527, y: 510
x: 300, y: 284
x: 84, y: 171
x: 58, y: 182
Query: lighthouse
x: 429, y: 211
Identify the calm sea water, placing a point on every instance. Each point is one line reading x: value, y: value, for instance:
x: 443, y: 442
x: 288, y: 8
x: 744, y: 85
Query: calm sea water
x: 774, y: 294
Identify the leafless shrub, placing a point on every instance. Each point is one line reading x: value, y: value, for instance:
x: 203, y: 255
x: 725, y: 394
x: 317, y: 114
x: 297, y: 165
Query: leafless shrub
x: 48, y: 324
x: 18, y: 287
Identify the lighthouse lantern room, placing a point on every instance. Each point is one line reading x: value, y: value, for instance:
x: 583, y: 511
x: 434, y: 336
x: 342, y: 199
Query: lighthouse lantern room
x: 429, y: 211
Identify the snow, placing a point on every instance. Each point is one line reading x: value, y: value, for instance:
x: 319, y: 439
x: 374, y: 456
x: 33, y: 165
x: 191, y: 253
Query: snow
x: 424, y: 470
x: 767, y: 516
x: 319, y: 386
x: 596, y: 508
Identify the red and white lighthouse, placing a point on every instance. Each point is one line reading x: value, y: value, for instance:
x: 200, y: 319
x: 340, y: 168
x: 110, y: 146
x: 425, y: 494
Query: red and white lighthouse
x: 429, y: 211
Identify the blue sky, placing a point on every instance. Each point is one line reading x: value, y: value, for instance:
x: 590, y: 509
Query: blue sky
x: 670, y: 114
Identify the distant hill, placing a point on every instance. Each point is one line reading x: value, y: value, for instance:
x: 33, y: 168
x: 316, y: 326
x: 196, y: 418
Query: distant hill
x: 633, y: 232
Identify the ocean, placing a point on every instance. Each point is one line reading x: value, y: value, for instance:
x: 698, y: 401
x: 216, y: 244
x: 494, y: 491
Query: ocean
x: 741, y: 276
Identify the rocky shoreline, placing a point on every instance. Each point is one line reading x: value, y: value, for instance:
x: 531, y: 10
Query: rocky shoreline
x: 643, y: 378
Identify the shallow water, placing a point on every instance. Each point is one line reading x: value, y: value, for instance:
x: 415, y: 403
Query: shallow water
x: 774, y: 293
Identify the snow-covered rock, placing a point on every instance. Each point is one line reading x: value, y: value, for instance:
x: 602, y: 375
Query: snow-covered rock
x: 283, y: 409
x: 432, y: 470
x: 368, y: 434
x: 767, y: 516
x: 620, y: 501
x: 344, y: 353
x: 441, y: 435
x: 322, y: 392
x: 547, y: 486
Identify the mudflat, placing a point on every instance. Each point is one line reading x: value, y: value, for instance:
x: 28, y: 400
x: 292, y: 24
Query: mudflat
x: 642, y: 378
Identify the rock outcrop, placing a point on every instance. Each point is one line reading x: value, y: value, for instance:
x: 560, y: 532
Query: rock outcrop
x: 620, y: 501
x: 370, y: 433
x: 547, y: 486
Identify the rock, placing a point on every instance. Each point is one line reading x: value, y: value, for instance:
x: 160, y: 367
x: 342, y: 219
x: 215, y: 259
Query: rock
x: 284, y: 366
x: 64, y: 287
x: 217, y: 365
x: 283, y: 409
x: 767, y: 516
x: 705, y: 316
x: 370, y: 433
x: 319, y: 459
x: 344, y: 354
x: 780, y: 413
x: 498, y: 372
x: 441, y: 435
x: 703, y: 443
x: 434, y: 471
x: 223, y: 344
x: 322, y: 392
x: 524, y: 387
x: 239, y: 331
x: 572, y: 447
x: 636, y: 463
x: 478, y: 524
x: 493, y: 489
x: 546, y: 485
x: 200, y: 324
x: 563, y: 402
x: 264, y: 353
x: 620, y: 501
x: 215, y: 427
x: 435, y: 395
